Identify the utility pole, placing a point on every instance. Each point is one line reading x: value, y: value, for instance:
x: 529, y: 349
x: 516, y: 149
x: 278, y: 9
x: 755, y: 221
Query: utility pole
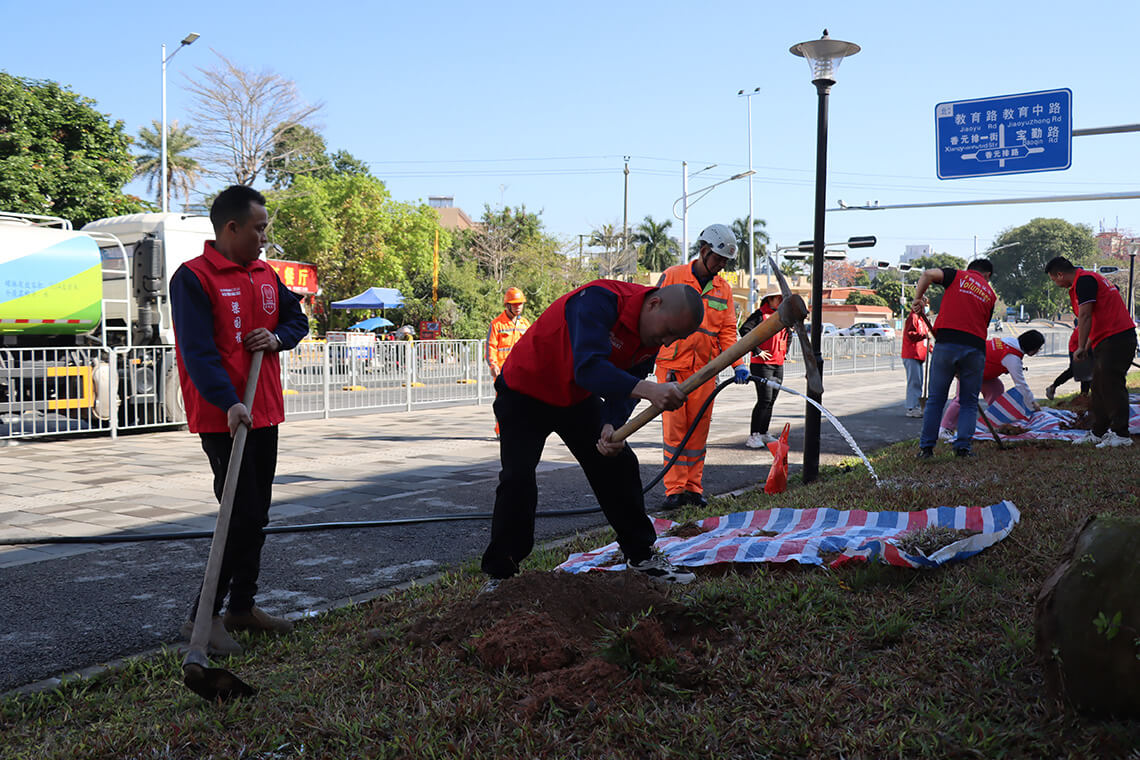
x: 625, y: 214
x: 684, y: 212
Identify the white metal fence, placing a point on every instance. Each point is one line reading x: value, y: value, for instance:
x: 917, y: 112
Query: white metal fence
x: 56, y: 391
x: 69, y: 391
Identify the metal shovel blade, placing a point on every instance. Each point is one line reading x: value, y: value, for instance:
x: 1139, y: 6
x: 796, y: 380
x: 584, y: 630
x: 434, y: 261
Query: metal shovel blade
x: 215, y: 684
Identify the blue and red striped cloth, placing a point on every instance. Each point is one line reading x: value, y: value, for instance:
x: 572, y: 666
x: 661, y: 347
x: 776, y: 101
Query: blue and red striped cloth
x: 801, y: 535
x: 1047, y: 424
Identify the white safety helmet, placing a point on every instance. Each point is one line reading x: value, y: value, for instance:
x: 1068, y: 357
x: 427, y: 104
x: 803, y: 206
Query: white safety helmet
x: 720, y: 239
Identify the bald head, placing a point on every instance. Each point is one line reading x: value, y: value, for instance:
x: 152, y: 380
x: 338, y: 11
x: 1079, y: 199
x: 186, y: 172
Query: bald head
x: 669, y: 314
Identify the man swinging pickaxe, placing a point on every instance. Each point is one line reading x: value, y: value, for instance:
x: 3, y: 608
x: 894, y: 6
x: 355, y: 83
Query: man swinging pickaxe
x: 791, y: 314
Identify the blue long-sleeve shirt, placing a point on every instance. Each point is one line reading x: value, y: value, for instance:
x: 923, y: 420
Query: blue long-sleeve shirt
x: 590, y: 316
x: 194, y: 328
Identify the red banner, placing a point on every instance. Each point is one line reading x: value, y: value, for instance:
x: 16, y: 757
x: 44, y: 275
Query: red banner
x: 298, y: 276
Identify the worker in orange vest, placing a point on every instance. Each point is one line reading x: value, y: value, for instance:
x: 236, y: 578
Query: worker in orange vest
x: 676, y: 363
x: 504, y: 333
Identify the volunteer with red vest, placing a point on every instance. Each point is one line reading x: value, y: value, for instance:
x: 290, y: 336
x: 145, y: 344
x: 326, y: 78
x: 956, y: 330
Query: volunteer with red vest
x: 596, y: 342
x: 767, y: 363
x: 227, y: 304
x: 681, y: 361
x: 504, y: 333
x: 1002, y: 355
x: 959, y: 349
x: 1105, y: 328
x: 915, y: 336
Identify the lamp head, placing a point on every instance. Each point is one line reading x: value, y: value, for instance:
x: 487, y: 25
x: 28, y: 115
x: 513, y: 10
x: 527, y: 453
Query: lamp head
x: 824, y: 56
x: 190, y: 38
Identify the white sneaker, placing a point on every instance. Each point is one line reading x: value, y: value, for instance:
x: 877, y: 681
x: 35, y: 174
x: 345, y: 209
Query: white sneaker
x: 1112, y: 440
x: 755, y: 441
x: 916, y: 412
x: 1088, y: 437
x: 947, y: 435
x: 660, y: 569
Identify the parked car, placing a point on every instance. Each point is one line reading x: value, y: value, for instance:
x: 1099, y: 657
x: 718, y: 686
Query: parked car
x: 828, y: 328
x: 870, y: 330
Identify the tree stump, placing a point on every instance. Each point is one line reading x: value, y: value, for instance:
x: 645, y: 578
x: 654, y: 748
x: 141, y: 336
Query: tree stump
x: 1088, y: 620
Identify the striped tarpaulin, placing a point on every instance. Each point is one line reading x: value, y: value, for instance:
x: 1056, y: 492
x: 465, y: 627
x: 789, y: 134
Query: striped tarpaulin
x: 1046, y: 424
x: 801, y: 535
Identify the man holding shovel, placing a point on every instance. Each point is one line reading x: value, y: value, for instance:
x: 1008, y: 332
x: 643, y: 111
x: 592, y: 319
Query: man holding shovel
x: 596, y: 342
x: 228, y: 304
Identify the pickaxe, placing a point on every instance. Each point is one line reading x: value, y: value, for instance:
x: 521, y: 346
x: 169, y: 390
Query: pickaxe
x: 791, y: 315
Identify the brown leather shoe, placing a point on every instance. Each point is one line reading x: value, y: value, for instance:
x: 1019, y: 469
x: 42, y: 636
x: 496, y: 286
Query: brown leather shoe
x: 256, y: 619
x: 219, y: 643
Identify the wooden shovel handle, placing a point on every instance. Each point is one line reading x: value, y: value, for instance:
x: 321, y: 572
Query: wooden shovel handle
x: 792, y: 310
x: 202, y: 619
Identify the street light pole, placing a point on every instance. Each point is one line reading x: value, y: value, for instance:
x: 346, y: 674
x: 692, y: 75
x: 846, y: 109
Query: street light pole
x: 189, y: 39
x: 823, y: 56
x: 751, y: 236
x: 684, y: 200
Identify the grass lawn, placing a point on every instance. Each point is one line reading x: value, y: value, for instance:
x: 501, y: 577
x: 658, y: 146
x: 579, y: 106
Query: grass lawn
x: 765, y: 661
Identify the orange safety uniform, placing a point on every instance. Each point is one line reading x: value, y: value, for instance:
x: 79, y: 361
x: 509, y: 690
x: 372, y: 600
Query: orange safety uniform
x: 680, y: 361
x: 502, y: 335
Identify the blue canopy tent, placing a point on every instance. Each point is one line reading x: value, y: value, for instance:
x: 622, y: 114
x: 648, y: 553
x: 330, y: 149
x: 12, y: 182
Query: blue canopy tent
x: 373, y: 298
x: 372, y: 323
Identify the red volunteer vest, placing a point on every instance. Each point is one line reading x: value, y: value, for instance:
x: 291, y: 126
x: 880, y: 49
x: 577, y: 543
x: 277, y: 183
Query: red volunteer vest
x: 241, y: 299
x: 996, y: 350
x: 967, y: 305
x: 777, y: 345
x: 541, y: 364
x: 914, y: 349
x: 1110, y: 315
x: 1073, y: 341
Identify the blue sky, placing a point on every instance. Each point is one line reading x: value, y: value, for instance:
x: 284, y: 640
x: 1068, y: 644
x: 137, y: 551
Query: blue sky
x: 511, y: 102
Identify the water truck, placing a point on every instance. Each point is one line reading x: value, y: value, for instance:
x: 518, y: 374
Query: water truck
x: 86, y: 337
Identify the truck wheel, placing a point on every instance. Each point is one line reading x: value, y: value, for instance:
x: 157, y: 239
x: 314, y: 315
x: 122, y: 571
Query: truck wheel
x: 172, y: 402
x: 101, y: 380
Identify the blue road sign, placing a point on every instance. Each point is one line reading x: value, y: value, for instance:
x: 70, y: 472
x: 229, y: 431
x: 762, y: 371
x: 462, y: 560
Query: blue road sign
x: 1008, y: 134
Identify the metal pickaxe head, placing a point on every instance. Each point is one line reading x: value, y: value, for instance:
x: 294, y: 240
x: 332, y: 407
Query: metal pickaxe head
x: 793, y: 318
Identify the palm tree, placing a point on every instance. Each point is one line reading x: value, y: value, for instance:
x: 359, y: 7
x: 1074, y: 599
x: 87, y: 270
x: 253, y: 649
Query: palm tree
x: 182, y: 171
x: 612, y: 261
x: 658, y: 250
x: 759, y: 237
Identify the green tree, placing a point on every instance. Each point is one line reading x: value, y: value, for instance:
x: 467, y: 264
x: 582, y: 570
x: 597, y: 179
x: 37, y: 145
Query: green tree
x: 349, y: 226
x: 503, y: 236
x: 759, y: 242
x: 1019, y: 271
x: 890, y: 290
x: 657, y: 250
x: 59, y: 156
x: 863, y: 298
x: 297, y: 150
x: 182, y: 171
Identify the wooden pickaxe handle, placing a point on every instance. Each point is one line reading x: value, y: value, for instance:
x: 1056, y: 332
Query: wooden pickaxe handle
x: 791, y: 311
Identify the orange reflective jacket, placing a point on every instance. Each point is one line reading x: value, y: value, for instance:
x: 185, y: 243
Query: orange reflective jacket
x: 502, y: 336
x: 716, y: 333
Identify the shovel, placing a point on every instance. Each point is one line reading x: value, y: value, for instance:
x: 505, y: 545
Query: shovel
x: 791, y: 314
x: 218, y: 683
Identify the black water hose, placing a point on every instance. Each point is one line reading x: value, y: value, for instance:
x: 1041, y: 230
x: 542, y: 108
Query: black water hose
x: 126, y: 538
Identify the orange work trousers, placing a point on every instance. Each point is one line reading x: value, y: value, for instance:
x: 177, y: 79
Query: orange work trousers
x: 685, y: 474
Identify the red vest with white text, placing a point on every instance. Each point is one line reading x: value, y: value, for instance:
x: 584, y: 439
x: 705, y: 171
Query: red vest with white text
x: 996, y: 351
x: 967, y: 305
x: 541, y: 364
x: 1110, y: 315
x: 241, y: 299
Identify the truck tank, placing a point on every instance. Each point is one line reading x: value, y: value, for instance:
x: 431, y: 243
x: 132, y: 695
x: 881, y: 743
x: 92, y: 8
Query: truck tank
x: 50, y: 281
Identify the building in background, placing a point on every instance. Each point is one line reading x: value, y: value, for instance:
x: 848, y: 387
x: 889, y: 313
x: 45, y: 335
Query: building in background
x: 915, y: 251
x: 451, y: 217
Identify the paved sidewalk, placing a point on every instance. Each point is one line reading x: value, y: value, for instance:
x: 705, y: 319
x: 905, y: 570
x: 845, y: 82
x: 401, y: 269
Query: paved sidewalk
x: 160, y: 482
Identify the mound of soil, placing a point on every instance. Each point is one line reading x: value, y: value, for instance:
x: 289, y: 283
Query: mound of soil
x: 586, y: 639
x: 686, y: 530
x: 1078, y: 403
x: 1011, y: 429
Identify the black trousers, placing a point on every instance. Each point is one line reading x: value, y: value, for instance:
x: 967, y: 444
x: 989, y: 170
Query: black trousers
x: 241, y: 561
x: 765, y: 395
x: 524, y: 425
x: 1068, y: 375
x: 1108, y: 402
